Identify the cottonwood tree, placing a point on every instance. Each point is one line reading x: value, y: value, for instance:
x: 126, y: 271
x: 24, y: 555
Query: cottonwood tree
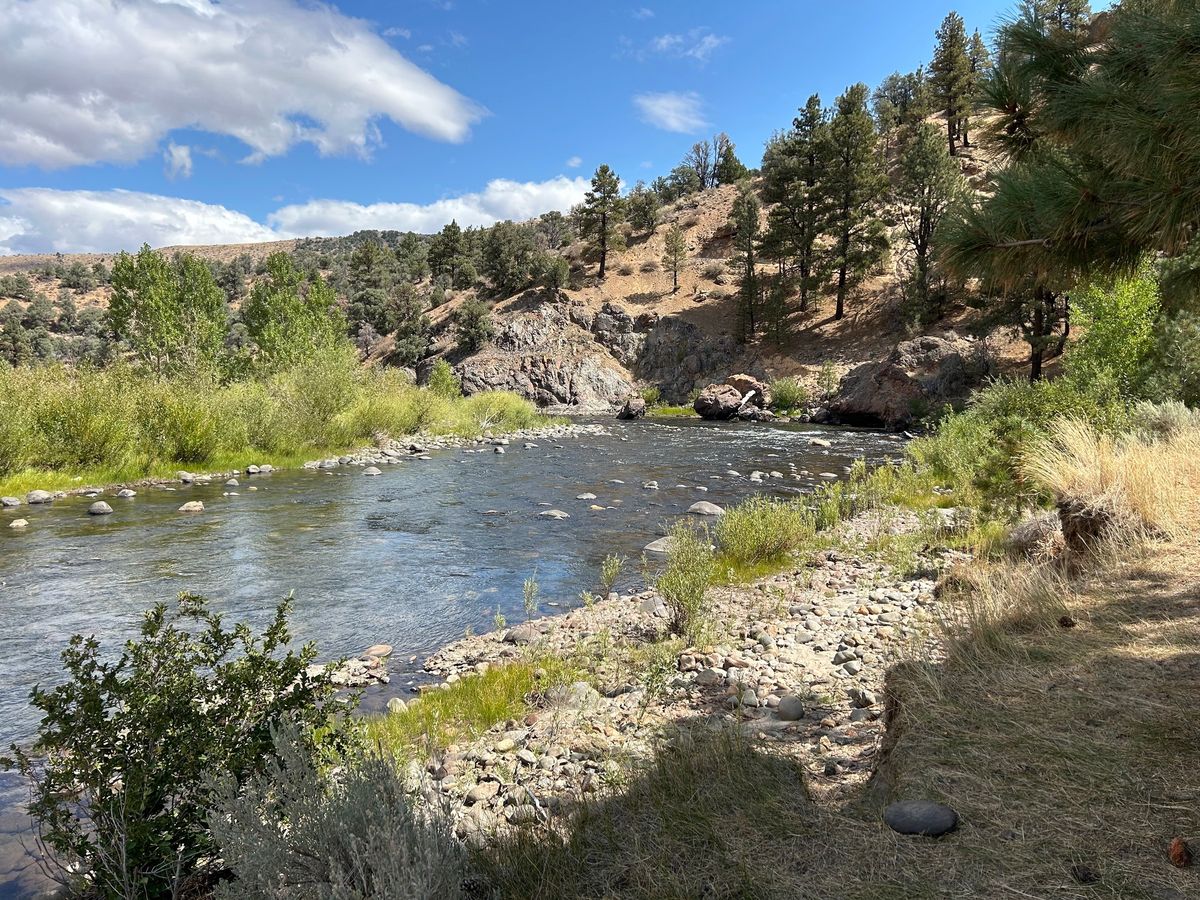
x: 291, y: 316
x: 794, y: 168
x: 602, y: 212
x: 674, y: 254
x: 171, y: 314
x: 928, y: 181
x: 853, y: 186
x: 744, y: 217
x: 950, y: 75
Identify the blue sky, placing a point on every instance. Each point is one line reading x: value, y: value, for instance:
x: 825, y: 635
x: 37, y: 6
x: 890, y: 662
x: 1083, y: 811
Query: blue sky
x: 189, y: 121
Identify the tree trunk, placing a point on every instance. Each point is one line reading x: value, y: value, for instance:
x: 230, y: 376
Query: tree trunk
x: 840, y: 312
x: 603, y: 242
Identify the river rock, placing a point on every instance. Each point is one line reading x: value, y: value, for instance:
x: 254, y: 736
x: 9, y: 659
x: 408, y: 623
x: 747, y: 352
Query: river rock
x: 126, y: 493
x: 100, y: 508
x: 790, y: 709
x: 577, y: 695
x: 718, y: 401
x: 18, y: 523
x: 634, y: 408
x: 922, y: 817
x: 35, y: 497
x: 662, y: 545
x: 233, y: 482
x: 745, y: 384
x: 378, y: 650
x: 704, y: 508
x: 371, y: 470
x: 521, y: 635
x: 396, y: 705
x: 819, y: 442
x: 585, y: 496
x: 554, y: 514
x: 192, y: 506
x: 10, y: 502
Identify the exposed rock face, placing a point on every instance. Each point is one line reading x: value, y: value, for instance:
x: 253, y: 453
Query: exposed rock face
x: 718, y: 401
x: 919, y: 376
x: 634, y: 408
x: 747, y: 383
x: 680, y: 358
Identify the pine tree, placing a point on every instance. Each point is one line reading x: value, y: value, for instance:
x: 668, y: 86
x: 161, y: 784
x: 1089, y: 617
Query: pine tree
x: 674, y: 254
x: 370, y: 278
x: 980, y: 61
x: 950, y: 74
x: 448, y: 251
x: 643, y: 205
x: 603, y: 211
x: 794, y: 167
x: 853, y: 187
x: 729, y: 169
x: 744, y: 217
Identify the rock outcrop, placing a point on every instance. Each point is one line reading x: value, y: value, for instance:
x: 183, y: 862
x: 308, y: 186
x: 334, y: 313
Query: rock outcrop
x: 919, y: 376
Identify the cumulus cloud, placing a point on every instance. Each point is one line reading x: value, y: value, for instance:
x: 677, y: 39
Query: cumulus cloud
x: 85, y: 81
x: 501, y: 199
x: 42, y: 220
x: 574, y: 162
x: 671, y: 111
x: 178, y: 161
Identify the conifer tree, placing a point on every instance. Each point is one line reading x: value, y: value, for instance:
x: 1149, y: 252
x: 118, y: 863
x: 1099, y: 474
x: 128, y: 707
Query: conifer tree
x: 729, y: 169
x: 674, y: 254
x: 643, y: 205
x: 980, y: 61
x: 950, y: 74
x: 852, y: 189
x: 744, y: 217
x: 602, y: 213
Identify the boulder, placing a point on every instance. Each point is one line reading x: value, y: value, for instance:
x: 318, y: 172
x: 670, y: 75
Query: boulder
x: 10, y: 502
x: 923, y: 817
x: 661, y: 545
x: 918, y: 377
x: 752, y: 413
x: 790, y: 709
x: 634, y: 408
x: 718, y: 401
x: 126, y: 493
x: 192, y: 506
x: 704, y: 508
x: 35, y: 497
x: 372, y: 470
x: 100, y: 508
x: 747, y: 384
x: 18, y: 523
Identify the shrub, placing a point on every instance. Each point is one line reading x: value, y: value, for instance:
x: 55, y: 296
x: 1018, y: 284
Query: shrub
x: 20, y: 443
x: 651, y: 394
x: 625, y: 269
x: 713, y: 270
x: 762, y: 529
x: 684, y: 581
x: 289, y: 832
x: 121, y: 771
x: 473, y: 324
x: 610, y: 570
x: 184, y: 421
x: 788, y: 394
x: 495, y: 410
x: 651, y: 265
x: 443, y: 381
x: 87, y: 418
x: 1164, y: 419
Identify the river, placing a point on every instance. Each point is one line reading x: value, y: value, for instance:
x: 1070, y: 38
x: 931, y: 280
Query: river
x: 412, y: 558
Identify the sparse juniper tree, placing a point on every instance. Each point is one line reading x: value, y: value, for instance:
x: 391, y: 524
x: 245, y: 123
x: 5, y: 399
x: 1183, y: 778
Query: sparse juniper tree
x: 927, y: 182
x: 729, y: 169
x: 643, y: 206
x: 700, y: 160
x: 554, y: 230
x: 950, y: 75
x: 412, y: 257
x: 602, y: 213
x: 853, y: 186
x: 674, y: 254
x: 448, y: 252
x: 371, y: 285
x: 508, y: 257
x: 407, y: 322
x: 473, y: 325
x: 794, y: 168
x: 290, y: 316
x: 171, y: 314
x: 744, y: 217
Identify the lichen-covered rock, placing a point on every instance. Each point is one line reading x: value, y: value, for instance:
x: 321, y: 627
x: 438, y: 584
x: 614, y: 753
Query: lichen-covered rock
x: 718, y: 401
x: 919, y: 376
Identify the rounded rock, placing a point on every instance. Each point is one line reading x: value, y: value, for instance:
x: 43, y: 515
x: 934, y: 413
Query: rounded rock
x: 192, y: 506
x: 923, y: 817
x: 790, y: 709
x: 704, y: 508
x: 18, y: 523
x: 100, y: 508
x: 126, y: 493
x: 554, y: 514
x: 35, y: 497
x: 10, y: 502
x: 372, y: 470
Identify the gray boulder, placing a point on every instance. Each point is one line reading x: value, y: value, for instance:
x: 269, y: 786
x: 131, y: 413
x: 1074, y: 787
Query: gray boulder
x: 10, y: 502
x: 35, y: 497
x: 923, y: 817
x: 704, y: 508
x: 757, y: 392
x: 718, y: 401
x: 100, y: 508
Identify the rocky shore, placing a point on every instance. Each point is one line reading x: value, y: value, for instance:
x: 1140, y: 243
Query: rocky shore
x: 799, y: 663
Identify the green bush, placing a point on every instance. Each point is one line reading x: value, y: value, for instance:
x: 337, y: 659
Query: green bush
x: 443, y: 381
x: 651, y: 395
x: 183, y: 421
x: 20, y: 443
x: 685, y: 580
x: 122, y: 770
x: 761, y: 529
x: 290, y: 832
x: 788, y: 394
x: 87, y: 418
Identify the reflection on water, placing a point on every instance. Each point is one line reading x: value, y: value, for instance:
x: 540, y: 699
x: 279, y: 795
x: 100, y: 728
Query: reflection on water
x: 412, y: 558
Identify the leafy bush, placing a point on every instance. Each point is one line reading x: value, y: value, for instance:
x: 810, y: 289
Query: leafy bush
x: 183, y: 421
x: 625, y: 269
x: 651, y: 395
x: 473, y: 324
x: 684, y: 581
x: 443, y: 381
x: 788, y: 394
x: 88, y: 418
x: 762, y: 529
x: 289, y: 832
x: 122, y: 769
x: 1164, y: 419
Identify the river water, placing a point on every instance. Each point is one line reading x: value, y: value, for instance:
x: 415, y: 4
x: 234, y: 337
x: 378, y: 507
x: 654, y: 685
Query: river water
x: 412, y: 558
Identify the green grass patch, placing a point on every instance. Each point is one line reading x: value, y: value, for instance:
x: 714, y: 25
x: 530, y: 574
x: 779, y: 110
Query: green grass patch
x: 673, y: 412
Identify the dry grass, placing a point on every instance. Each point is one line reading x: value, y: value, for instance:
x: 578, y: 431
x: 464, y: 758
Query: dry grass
x: 1136, y: 481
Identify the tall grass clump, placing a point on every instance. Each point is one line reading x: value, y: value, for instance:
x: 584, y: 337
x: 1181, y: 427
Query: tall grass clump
x: 20, y: 441
x: 86, y: 418
x: 684, y: 581
x: 762, y: 529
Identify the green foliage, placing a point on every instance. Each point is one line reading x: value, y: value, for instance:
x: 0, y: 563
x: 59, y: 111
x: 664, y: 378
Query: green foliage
x: 788, y: 394
x: 508, y: 257
x: 602, y: 212
x: 531, y: 591
x: 763, y: 530
x: 684, y: 581
x: 610, y: 570
x: 674, y: 253
x: 123, y: 766
x: 1119, y: 332
x: 473, y: 325
x: 291, y: 831
x: 652, y: 395
x: 443, y: 381
x: 951, y: 77
x: 643, y: 205
x: 729, y: 169
x: 291, y: 316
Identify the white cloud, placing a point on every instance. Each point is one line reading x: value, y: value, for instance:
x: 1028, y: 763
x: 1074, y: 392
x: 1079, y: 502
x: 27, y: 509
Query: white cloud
x: 42, y: 220
x: 405, y: 33
x: 574, y: 162
x: 84, y: 81
x: 671, y: 111
x: 501, y: 199
x: 643, y: 12
x: 698, y: 44
x: 178, y: 160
